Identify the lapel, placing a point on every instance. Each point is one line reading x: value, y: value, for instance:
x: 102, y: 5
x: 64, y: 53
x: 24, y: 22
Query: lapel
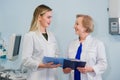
x: 41, y: 38
x: 85, y: 48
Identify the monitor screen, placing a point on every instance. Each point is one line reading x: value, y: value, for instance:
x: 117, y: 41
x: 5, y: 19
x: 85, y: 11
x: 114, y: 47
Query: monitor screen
x: 13, y: 46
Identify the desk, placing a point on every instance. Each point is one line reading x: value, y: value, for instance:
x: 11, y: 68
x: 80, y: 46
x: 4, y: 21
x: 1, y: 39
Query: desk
x: 9, y: 74
x: 10, y: 70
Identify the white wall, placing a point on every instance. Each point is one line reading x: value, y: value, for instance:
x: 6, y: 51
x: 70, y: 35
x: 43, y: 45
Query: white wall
x: 114, y: 8
x: 113, y: 44
x: 15, y: 17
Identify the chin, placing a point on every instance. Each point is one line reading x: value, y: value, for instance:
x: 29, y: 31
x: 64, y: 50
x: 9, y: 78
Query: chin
x: 76, y: 33
x: 46, y: 26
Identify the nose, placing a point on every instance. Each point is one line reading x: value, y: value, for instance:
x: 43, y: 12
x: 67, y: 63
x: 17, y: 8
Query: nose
x: 50, y: 20
x: 74, y: 26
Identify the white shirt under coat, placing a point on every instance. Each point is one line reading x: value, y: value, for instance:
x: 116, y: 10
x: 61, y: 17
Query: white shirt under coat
x: 93, y: 52
x: 35, y: 47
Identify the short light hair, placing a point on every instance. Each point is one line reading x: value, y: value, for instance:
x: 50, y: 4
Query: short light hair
x: 87, y: 22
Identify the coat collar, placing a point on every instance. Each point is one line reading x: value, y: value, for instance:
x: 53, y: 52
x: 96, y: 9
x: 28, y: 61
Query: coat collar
x: 40, y: 36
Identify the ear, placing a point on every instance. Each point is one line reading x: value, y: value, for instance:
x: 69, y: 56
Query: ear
x: 39, y: 18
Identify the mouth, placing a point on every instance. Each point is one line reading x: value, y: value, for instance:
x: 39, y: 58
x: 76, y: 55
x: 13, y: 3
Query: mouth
x: 76, y: 29
x: 48, y: 23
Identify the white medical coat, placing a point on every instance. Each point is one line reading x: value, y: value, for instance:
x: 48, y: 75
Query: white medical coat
x: 93, y: 52
x: 35, y: 47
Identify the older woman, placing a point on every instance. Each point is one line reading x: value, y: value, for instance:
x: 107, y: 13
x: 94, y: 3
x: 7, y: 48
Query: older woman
x: 90, y: 50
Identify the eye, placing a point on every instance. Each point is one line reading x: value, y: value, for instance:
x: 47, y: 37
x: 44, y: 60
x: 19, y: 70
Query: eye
x: 76, y: 24
x: 49, y: 17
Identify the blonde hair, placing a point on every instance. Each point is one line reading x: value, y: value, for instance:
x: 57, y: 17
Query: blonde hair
x: 40, y: 10
x: 87, y: 22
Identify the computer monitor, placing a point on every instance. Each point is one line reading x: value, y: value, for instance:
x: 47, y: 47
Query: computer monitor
x: 14, y: 46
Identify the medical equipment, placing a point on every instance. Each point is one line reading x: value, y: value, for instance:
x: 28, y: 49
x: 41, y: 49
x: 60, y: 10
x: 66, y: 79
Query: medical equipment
x: 114, y: 26
x: 14, y: 47
x: 9, y: 74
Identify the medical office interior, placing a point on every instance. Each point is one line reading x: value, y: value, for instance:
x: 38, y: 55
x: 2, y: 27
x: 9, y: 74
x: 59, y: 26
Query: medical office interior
x: 16, y: 15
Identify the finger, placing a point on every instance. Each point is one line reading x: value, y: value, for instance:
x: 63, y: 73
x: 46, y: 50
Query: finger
x: 59, y: 65
x: 54, y: 66
x: 50, y: 63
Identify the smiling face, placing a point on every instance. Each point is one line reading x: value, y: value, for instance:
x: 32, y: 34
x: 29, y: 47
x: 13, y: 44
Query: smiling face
x: 83, y: 25
x: 45, y: 19
x: 79, y: 28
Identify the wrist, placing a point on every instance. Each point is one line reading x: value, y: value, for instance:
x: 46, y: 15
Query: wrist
x: 90, y: 69
x: 41, y: 66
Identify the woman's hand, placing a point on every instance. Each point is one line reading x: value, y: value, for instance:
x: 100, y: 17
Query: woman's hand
x: 67, y: 70
x: 85, y: 69
x: 49, y: 65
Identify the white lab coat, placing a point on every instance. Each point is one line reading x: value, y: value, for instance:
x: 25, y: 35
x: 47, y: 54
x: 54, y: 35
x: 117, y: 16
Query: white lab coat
x: 35, y: 47
x: 93, y: 52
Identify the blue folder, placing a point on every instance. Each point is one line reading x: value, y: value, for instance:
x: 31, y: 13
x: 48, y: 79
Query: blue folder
x: 70, y: 63
x: 73, y: 64
x: 55, y: 60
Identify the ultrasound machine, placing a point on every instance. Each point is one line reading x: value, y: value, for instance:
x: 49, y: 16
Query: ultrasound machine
x: 12, y: 54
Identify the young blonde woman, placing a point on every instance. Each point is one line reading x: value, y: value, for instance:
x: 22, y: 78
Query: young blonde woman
x: 40, y: 42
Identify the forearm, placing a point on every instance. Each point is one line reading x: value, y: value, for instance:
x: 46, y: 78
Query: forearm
x: 48, y: 65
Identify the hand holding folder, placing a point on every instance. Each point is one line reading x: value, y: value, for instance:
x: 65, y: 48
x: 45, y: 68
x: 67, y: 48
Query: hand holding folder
x: 53, y: 59
x: 73, y: 64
